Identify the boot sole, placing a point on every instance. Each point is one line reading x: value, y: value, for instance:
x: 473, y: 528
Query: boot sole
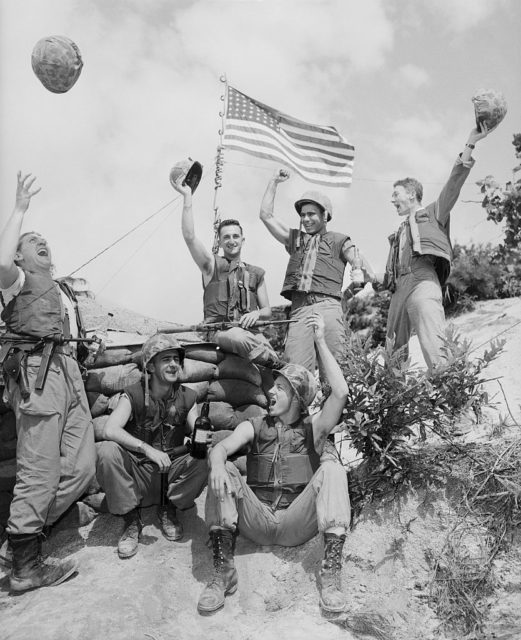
x: 204, y: 610
x: 126, y: 556
x: 328, y: 609
x: 19, y: 586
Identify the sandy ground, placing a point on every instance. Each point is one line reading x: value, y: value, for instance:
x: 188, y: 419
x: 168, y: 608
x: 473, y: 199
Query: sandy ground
x: 153, y: 595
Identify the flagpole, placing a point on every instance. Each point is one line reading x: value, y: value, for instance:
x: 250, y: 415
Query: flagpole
x: 219, y: 162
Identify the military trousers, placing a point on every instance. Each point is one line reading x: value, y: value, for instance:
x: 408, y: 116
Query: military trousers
x: 55, y: 454
x: 128, y: 485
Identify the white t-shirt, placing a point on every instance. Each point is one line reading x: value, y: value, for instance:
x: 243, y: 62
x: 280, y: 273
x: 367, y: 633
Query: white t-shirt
x: 12, y: 291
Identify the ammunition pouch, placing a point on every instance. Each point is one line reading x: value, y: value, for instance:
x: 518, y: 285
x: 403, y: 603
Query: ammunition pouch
x: 13, y: 367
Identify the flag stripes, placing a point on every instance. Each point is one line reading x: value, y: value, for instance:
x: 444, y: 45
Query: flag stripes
x: 318, y: 153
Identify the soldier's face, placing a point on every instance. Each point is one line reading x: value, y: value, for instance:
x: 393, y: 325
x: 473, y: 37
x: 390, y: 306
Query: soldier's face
x: 33, y: 252
x: 231, y: 241
x: 312, y: 217
x: 402, y: 200
x: 166, y: 366
x: 281, y: 397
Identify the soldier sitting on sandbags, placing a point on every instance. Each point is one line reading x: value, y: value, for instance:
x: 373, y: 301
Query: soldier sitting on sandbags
x: 233, y: 289
x: 295, y: 484
x: 143, y: 459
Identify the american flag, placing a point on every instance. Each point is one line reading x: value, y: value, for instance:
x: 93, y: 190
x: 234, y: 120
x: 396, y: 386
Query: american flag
x: 319, y: 154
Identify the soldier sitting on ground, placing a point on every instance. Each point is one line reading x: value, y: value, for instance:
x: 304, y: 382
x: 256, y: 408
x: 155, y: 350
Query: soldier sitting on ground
x: 144, y: 438
x: 295, y: 484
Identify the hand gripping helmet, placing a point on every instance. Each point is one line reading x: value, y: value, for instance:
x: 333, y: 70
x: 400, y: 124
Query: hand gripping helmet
x: 157, y: 344
x: 188, y: 168
x: 490, y: 108
x: 315, y: 197
x: 301, y: 381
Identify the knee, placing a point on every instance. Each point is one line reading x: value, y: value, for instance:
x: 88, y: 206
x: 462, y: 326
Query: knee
x: 333, y: 470
x: 107, y: 453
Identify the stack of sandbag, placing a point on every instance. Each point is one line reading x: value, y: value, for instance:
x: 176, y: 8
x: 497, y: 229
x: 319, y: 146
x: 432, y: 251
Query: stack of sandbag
x: 234, y: 387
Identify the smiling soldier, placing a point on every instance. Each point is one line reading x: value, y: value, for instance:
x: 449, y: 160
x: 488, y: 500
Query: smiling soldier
x: 315, y: 271
x: 295, y: 484
x: 149, y: 425
x: 55, y: 453
x: 420, y: 258
x: 233, y: 290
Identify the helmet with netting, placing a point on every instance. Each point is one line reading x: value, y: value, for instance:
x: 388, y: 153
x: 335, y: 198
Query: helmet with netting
x: 301, y: 381
x: 157, y: 344
x: 57, y: 63
x: 490, y: 108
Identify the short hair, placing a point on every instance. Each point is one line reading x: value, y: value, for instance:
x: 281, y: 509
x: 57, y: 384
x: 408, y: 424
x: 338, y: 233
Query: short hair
x: 228, y: 223
x: 24, y: 235
x: 412, y: 186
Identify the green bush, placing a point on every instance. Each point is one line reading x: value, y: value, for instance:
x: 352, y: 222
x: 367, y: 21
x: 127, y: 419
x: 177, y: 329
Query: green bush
x: 387, y: 398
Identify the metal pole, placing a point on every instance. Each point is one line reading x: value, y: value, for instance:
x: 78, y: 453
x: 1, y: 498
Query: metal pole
x: 219, y: 162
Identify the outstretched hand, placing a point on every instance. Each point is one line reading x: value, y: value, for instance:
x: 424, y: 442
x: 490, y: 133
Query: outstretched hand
x: 24, y: 192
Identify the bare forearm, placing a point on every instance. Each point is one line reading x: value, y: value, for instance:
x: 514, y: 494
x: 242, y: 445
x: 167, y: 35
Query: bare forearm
x: 268, y: 201
x: 9, y: 237
x: 218, y: 457
x: 332, y: 369
x: 187, y: 219
x: 124, y: 439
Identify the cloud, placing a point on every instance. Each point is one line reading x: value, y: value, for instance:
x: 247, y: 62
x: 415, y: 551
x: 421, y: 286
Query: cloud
x: 462, y: 15
x: 413, y: 75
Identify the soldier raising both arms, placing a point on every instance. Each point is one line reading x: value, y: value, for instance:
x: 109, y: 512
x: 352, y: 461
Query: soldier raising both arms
x: 55, y: 453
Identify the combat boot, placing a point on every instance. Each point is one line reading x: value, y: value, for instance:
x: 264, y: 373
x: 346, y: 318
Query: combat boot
x: 331, y: 597
x: 128, y: 543
x: 29, y: 571
x: 224, y: 579
x: 170, y: 526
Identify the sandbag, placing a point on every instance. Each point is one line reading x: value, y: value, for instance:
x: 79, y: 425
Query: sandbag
x: 98, y: 403
x: 201, y: 388
x: 197, y: 371
x: 204, y: 352
x: 236, y: 392
x: 222, y: 416
x: 7, y: 426
x: 248, y: 411
x: 238, y: 368
x: 111, y: 380
x: 120, y: 355
x: 99, y: 425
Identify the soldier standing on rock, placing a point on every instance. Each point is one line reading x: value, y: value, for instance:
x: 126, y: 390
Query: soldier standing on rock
x: 144, y: 437
x: 295, y: 485
x: 55, y: 453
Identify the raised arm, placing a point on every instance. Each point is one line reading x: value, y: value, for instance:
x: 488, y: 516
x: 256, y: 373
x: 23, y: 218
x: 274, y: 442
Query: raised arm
x: 328, y: 417
x: 277, y: 228
x: 11, y: 232
x: 202, y: 257
x: 450, y: 192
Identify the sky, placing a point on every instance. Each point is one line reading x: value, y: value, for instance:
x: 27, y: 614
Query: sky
x: 395, y: 77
